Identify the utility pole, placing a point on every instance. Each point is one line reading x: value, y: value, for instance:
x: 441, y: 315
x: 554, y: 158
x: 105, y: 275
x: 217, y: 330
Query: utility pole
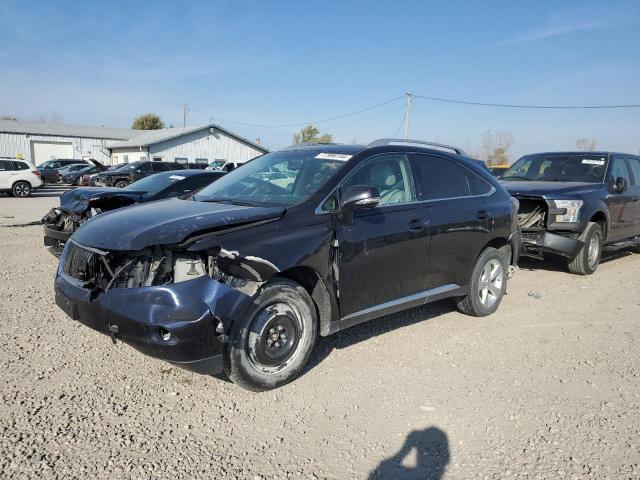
x: 407, y: 123
x: 184, y: 116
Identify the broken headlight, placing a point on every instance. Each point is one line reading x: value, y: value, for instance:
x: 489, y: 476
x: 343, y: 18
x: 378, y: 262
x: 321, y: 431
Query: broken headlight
x: 573, y: 210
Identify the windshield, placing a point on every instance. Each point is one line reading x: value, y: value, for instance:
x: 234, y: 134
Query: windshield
x: 558, y: 168
x: 216, y: 165
x: 155, y: 183
x: 275, y: 179
x: 127, y: 167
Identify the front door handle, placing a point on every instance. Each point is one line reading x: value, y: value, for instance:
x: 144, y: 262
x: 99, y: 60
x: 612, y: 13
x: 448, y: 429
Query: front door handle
x: 482, y: 215
x: 415, y: 225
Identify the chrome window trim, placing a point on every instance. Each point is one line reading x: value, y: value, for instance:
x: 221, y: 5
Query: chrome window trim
x: 319, y: 211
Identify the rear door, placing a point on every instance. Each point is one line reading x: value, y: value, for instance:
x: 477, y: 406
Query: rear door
x: 459, y: 219
x: 620, y: 204
x: 382, y: 256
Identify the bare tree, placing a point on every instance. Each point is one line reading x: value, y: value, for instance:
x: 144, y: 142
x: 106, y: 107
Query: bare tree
x: 586, y: 144
x: 311, y: 133
x: 495, y: 148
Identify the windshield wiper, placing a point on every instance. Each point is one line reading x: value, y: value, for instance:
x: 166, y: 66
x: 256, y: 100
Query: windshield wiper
x: 229, y: 200
x: 513, y: 177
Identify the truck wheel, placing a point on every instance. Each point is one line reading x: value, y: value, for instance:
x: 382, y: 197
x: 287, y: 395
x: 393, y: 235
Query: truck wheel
x: 271, y: 347
x: 121, y: 184
x: 487, y: 286
x: 588, y: 259
x: 21, y: 189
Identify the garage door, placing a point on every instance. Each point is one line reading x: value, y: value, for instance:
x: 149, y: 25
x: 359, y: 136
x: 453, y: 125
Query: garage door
x: 43, y: 151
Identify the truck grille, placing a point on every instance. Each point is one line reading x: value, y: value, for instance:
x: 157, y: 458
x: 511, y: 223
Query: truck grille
x: 80, y: 263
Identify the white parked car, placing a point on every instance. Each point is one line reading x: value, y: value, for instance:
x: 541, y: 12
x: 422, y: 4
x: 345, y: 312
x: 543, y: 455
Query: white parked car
x: 18, y: 177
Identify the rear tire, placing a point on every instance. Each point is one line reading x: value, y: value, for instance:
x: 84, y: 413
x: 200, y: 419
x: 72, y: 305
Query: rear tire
x: 588, y: 259
x: 273, y: 343
x: 21, y: 189
x: 121, y: 184
x: 487, y: 286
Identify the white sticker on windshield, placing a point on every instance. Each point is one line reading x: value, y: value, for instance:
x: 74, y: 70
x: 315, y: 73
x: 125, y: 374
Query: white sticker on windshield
x: 343, y: 157
x: 176, y: 177
x: 590, y: 161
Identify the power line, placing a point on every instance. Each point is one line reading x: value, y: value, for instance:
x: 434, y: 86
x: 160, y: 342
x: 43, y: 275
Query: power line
x: 337, y: 117
x: 507, y: 105
x: 404, y: 115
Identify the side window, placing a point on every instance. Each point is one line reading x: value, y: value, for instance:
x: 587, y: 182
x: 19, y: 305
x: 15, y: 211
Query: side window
x: 619, y: 169
x: 6, y: 165
x: 389, y: 173
x: 438, y: 178
x: 635, y: 169
x: 477, y: 185
x: 20, y: 166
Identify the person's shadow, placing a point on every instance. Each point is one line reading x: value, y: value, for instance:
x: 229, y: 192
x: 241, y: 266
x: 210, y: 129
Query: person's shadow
x: 432, y: 456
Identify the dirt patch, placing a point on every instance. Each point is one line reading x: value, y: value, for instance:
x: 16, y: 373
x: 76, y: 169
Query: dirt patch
x: 548, y: 387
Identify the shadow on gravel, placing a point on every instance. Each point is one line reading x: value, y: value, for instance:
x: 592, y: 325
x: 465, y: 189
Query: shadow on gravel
x: 373, y: 328
x: 559, y: 264
x: 431, y: 458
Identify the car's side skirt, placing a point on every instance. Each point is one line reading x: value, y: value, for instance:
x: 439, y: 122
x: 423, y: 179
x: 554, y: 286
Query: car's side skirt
x: 404, y: 303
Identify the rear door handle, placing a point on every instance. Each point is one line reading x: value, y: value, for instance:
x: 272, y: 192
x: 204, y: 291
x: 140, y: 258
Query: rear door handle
x: 482, y: 215
x: 416, y: 225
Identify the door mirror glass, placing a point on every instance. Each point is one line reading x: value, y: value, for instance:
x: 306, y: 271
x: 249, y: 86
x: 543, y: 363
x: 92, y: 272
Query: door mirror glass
x: 358, y: 197
x: 620, y: 185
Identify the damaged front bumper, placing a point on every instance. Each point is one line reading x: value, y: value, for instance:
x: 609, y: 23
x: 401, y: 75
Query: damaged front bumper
x: 184, y: 323
x: 535, y: 244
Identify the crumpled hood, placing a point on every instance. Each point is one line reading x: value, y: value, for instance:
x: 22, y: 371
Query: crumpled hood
x: 165, y: 222
x: 79, y: 200
x: 547, y: 189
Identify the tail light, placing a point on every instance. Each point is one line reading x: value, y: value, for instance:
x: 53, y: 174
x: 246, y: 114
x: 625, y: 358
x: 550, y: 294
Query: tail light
x: 36, y: 173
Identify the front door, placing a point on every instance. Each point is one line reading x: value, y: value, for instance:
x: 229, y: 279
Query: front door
x: 382, y: 256
x: 634, y: 190
x: 620, y: 204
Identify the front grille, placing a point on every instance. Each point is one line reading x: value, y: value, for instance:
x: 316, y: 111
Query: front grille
x: 80, y: 263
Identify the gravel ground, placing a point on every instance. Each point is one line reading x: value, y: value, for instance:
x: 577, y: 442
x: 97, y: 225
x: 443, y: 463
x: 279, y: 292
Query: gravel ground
x: 548, y: 387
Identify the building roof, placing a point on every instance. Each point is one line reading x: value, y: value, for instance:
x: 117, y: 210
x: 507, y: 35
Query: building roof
x: 151, y: 137
x: 62, y: 130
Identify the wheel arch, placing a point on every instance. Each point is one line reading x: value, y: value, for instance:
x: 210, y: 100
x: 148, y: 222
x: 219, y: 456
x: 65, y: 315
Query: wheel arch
x: 326, y: 306
x: 602, y: 219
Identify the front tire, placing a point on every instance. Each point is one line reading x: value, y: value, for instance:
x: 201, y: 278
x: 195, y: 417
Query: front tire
x: 21, y: 189
x: 121, y: 184
x: 588, y: 259
x: 487, y: 286
x: 271, y: 347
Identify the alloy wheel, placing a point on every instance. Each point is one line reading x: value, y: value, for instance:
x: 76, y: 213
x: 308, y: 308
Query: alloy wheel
x: 491, y: 283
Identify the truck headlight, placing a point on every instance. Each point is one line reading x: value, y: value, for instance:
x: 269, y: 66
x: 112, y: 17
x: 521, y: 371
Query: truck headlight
x: 573, y: 209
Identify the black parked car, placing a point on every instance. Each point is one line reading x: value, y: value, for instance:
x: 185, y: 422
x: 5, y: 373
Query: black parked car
x: 244, y: 275
x: 73, y: 177
x: 79, y: 205
x: 575, y: 204
x: 130, y: 172
x: 49, y: 169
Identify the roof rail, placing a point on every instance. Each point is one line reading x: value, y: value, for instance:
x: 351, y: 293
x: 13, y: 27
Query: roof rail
x: 295, y: 146
x: 393, y: 141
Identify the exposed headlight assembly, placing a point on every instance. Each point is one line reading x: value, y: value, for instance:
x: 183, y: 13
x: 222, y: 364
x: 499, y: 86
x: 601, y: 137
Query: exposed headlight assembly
x: 573, y: 210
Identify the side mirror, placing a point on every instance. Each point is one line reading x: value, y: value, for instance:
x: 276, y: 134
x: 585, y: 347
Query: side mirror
x: 620, y: 185
x: 358, y: 197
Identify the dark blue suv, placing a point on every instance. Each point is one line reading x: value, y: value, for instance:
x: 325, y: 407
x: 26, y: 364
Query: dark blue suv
x: 575, y: 204
x: 244, y: 275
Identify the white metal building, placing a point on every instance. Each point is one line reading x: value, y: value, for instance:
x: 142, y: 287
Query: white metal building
x: 202, y: 144
x: 39, y: 142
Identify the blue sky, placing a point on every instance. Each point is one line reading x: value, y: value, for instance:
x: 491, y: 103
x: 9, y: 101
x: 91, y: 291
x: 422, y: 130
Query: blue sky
x: 288, y: 62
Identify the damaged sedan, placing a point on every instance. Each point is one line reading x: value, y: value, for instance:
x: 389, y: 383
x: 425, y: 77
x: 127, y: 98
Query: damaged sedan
x: 244, y: 275
x: 80, y: 204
